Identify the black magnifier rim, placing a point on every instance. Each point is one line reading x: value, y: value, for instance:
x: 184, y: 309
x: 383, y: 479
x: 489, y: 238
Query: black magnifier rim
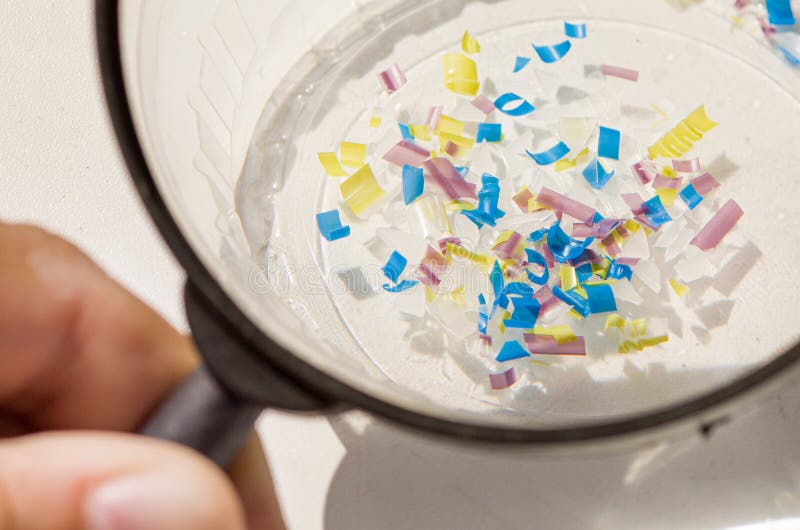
x: 110, y: 60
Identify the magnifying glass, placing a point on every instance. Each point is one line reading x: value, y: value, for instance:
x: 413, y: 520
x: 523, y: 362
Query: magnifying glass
x: 236, y: 119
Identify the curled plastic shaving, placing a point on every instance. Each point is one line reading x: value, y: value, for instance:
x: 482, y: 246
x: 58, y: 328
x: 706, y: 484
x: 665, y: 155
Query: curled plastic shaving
x: 551, y: 54
x: 393, y: 269
x: 635, y: 334
x: 330, y: 162
x: 406, y: 152
x: 469, y: 44
x: 503, y: 380
x: 645, y: 171
x: 718, y: 226
x: 678, y: 141
x: 520, y: 63
x: 460, y: 74
x: 571, y: 207
x: 505, y: 104
x: 361, y: 190
x: 392, y: 78
x: 596, y: 175
x: 553, y: 154
x: 618, y: 71
x: 538, y: 259
x: 563, y: 247
x: 487, y: 211
x: 330, y: 225
x: 662, y: 181
x: 608, y: 143
x: 508, y: 245
x: 442, y: 173
x: 576, y: 31
x: 686, y: 166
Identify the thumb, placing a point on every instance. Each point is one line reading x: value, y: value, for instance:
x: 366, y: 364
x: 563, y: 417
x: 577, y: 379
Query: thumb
x: 111, y: 482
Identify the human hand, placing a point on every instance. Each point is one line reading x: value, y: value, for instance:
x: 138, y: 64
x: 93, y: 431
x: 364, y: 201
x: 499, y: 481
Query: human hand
x: 82, y: 365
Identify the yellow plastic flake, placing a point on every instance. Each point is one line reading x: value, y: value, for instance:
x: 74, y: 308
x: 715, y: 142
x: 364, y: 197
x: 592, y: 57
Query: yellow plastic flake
x: 469, y: 44
x: 534, y: 205
x: 591, y: 283
x: 569, y: 163
x: 461, y: 141
x: 569, y: 280
x: 503, y: 237
x: 428, y: 294
x: 460, y: 74
x: 632, y: 226
x: 638, y: 327
x: 420, y: 132
x: 562, y: 334
x: 679, y: 288
x: 678, y: 141
x: 480, y: 259
x: 458, y: 296
x: 668, y: 172
x: 449, y: 125
x: 352, y: 154
x: 375, y: 122
x: 614, y: 321
x: 361, y: 190
x: 457, y: 205
x: 574, y: 314
x: 330, y: 162
x: 667, y: 195
x: 505, y: 315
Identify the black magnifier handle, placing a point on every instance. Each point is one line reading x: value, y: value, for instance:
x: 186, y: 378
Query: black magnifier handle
x: 202, y: 415
x: 214, y: 409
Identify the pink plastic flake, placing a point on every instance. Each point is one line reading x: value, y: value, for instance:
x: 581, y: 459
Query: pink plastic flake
x: 434, y: 113
x: 686, y: 166
x: 505, y: 250
x: 704, y: 183
x: 443, y: 173
x: 718, y: 227
x: 644, y: 171
x: 665, y: 182
x: 563, y: 204
x: 546, y: 345
x: 483, y: 104
x: 618, y: 71
x: 631, y: 262
x: 406, y: 152
x: 392, y: 78
x: 503, y: 380
x: 634, y: 202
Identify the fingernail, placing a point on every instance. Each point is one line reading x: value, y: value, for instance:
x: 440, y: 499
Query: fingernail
x: 146, y: 501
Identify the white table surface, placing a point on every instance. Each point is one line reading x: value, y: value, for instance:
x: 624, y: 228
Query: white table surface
x: 59, y: 167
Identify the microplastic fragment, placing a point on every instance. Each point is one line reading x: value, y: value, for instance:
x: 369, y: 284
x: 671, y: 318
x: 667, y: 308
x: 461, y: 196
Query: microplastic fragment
x: 394, y: 266
x: 780, y: 13
x: 576, y: 31
x: 618, y: 71
x: 538, y: 259
x: 469, y: 44
x: 601, y: 298
x: 548, y: 156
x: 407, y: 152
x: 405, y: 131
x: 413, y: 183
x: 686, y: 166
x: 460, y: 74
x: 361, y: 190
x: 330, y: 225
x: 483, y: 104
x: 596, y: 175
x: 691, y: 197
x: 487, y: 211
x: 520, y: 63
x: 718, y: 226
x: 553, y: 53
x: 563, y: 247
x: 608, y: 143
x: 392, y: 78
x: 504, y: 379
x: 662, y: 181
x: 442, y: 173
x: 489, y: 132
x: 704, y: 184
x: 678, y: 141
x: 571, y: 207
x: 434, y: 113
x: 578, y: 303
x: 352, y: 154
x: 656, y: 213
x: 505, y: 104
x: 679, y: 288
x: 511, y: 350
x: 645, y: 171
x: 546, y: 345
x: 330, y: 162
x: 404, y: 285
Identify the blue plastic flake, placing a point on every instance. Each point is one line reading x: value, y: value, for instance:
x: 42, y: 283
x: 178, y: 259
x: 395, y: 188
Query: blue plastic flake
x: 405, y: 131
x: 617, y: 271
x: 583, y: 272
x: 395, y: 266
x: 536, y: 258
x: 413, y: 183
x: 608, y: 143
x: 691, y: 197
x: 463, y: 171
x: 596, y: 175
x: 518, y: 289
x: 489, y: 132
x: 551, y: 54
x: 780, y: 13
x: 483, y: 314
x: 405, y: 285
x: 537, y: 235
x: 554, y: 154
x: 505, y: 104
x: 496, y: 280
x: 330, y: 226
x: 511, y: 350
x: 572, y: 298
x: 521, y: 63
x: 563, y: 247
x: 526, y: 311
x: 601, y: 298
x: 656, y: 213
x: 576, y: 31
x: 487, y: 211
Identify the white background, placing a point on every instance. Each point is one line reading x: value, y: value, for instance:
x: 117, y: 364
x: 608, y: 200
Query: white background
x: 59, y: 167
